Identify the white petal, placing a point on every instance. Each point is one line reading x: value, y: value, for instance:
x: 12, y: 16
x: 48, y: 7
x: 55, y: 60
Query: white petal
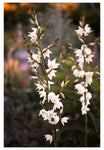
x: 64, y: 120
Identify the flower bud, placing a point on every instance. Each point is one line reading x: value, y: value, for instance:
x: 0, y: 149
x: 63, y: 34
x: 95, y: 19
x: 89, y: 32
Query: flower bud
x: 62, y: 94
x: 66, y: 82
x: 61, y: 111
x: 62, y: 84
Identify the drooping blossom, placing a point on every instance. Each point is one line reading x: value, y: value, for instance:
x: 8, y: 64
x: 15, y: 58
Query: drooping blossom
x: 55, y: 100
x: 39, y: 86
x: 80, y: 88
x: 80, y: 61
x: 85, y: 109
x: 53, y: 97
x: 78, y: 73
x: 42, y: 94
x: 78, y: 53
x: 64, y: 120
x: 50, y: 115
x: 44, y: 114
x: 89, y: 77
x: 87, y: 51
x: 89, y: 58
x: 49, y: 138
x: 88, y: 96
x: 87, y: 30
x: 57, y: 105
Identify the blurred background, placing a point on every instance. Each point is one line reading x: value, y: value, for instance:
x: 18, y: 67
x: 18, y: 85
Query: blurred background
x: 22, y: 125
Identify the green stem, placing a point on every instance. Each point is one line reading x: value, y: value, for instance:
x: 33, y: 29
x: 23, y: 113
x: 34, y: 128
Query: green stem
x: 55, y: 137
x: 42, y: 57
x: 86, y: 120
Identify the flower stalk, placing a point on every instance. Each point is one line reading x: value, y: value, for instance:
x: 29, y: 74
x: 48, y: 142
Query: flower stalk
x: 43, y: 65
x: 55, y: 137
x: 43, y: 83
x: 86, y: 130
x: 84, y: 57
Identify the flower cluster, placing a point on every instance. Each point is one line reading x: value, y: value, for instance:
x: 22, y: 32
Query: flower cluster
x: 83, y: 31
x: 43, y: 83
x: 84, y: 57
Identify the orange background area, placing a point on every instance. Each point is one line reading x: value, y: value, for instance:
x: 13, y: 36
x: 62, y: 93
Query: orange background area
x: 64, y: 6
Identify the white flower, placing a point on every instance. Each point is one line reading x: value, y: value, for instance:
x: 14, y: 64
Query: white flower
x: 52, y: 64
x: 89, y: 58
x: 84, y: 109
x: 82, y: 98
x: 51, y: 113
x: 29, y: 60
x: 45, y: 84
x: 76, y: 72
x: 51, y: 73
x: 87, y: 30
x: 51, y: 95
x: 50, y: 83
x: 36, y: 57
x: 80, y: 62
x: 43, y: 113
x: 46, y: 53
x: 53, y: 118
x: 64, y: 120
x: 80, y: 31
x: 88, y: 96
x: 80, y: 88
x: 79, y: 74
x: 42, y: 94
x: 89, y: 77
x: 87, y: 102
x: 54, y: 98
x: 87, y: 50
x: 33, y: 35
x: 58, y: 105
x: 78, y: 53
x: 39, y: 87
x: 83, y: 47
x: 36, y: 65
x: 49, y: 138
